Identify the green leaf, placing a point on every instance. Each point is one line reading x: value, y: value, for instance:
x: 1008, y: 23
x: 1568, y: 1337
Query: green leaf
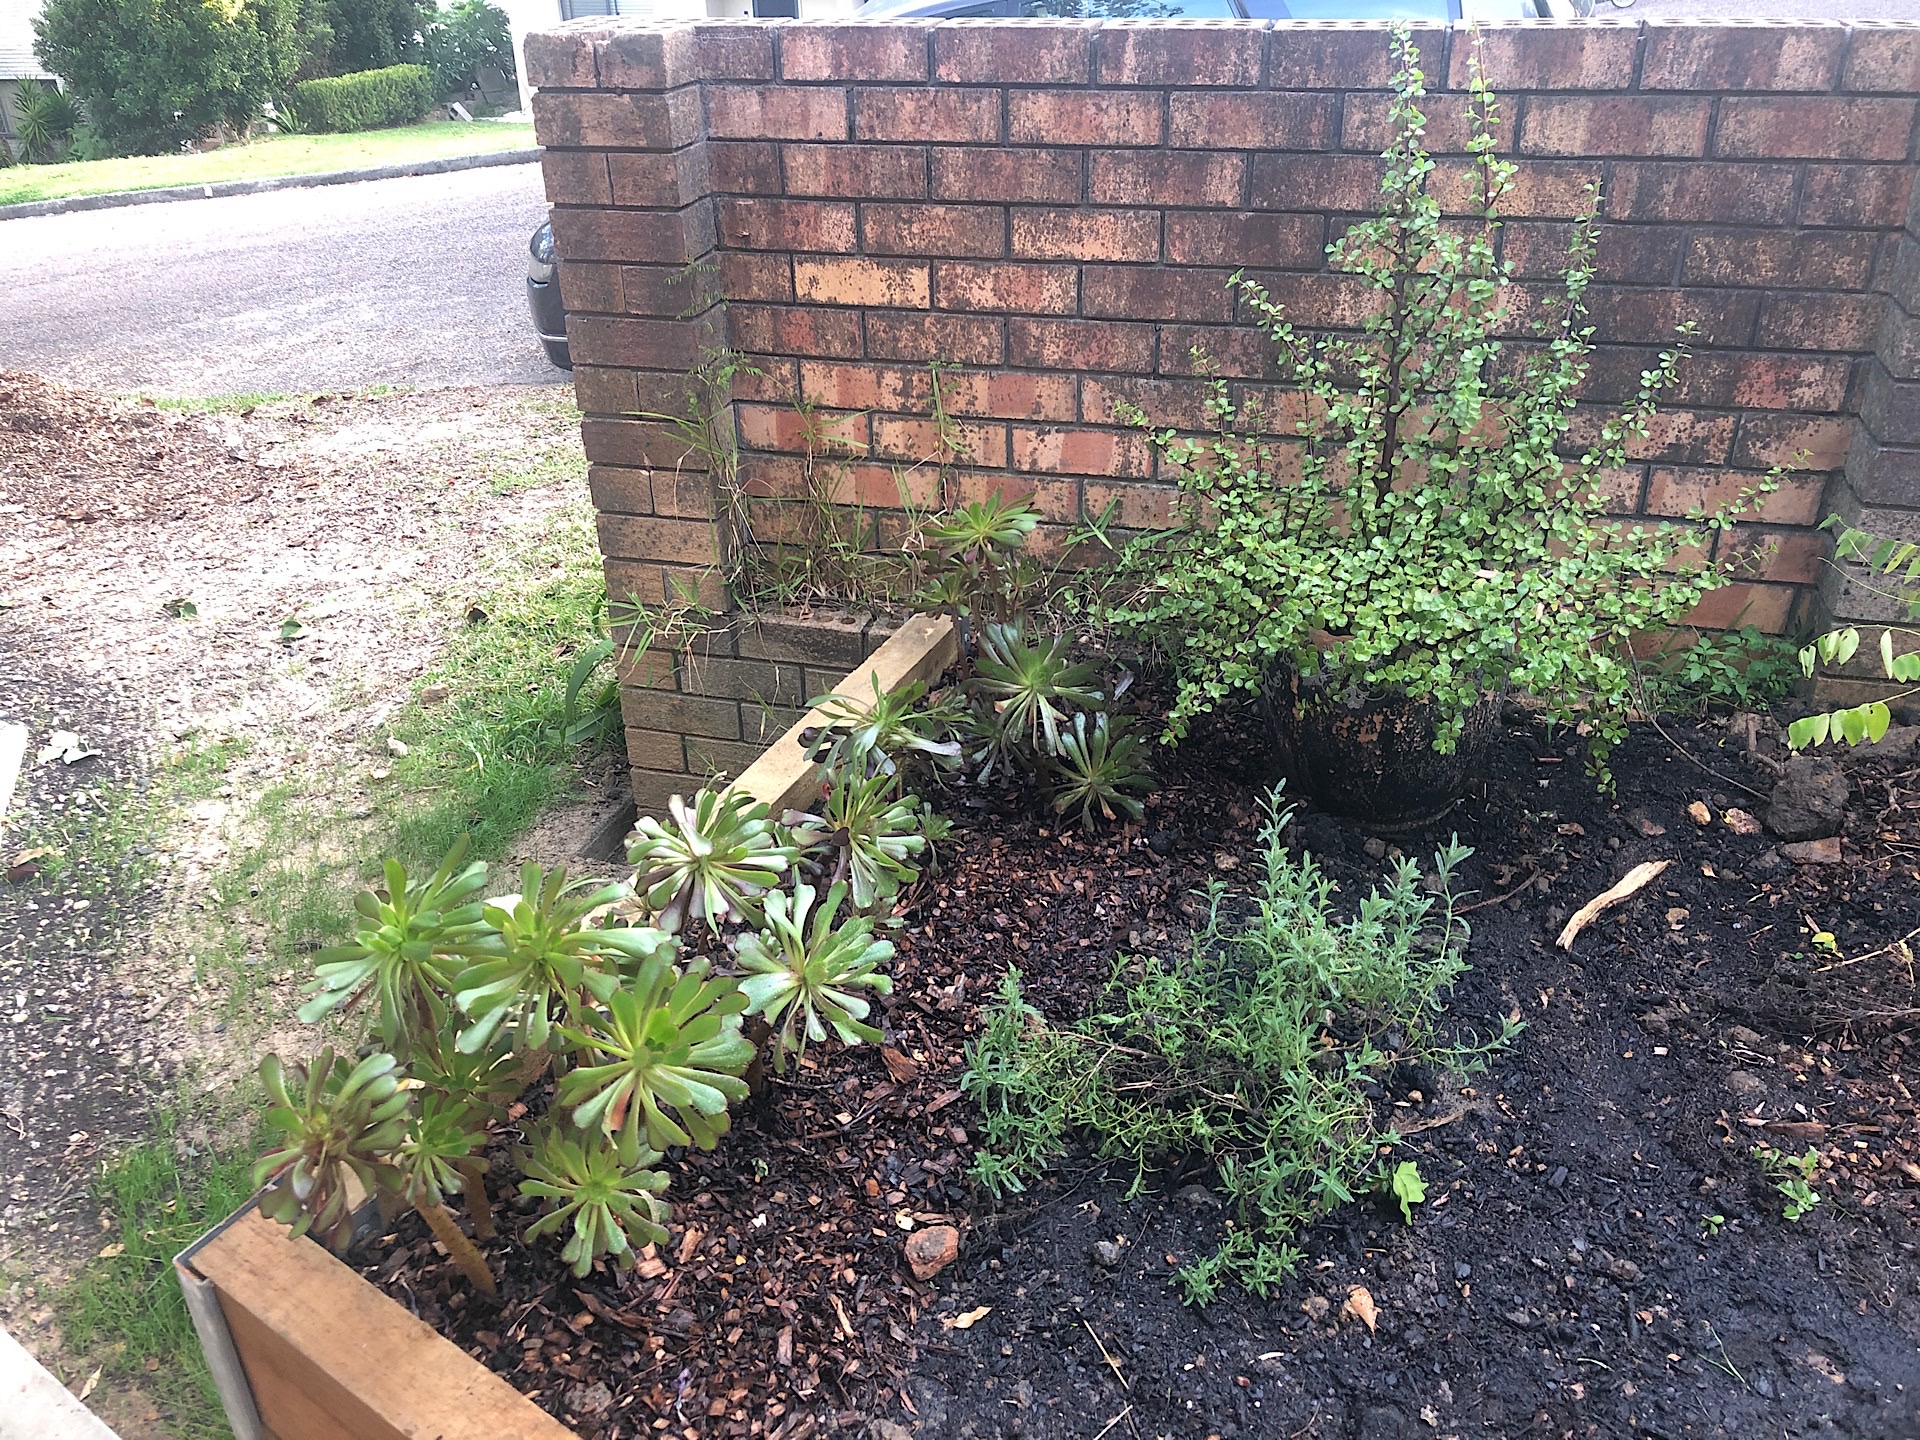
x: 1408, y: 1188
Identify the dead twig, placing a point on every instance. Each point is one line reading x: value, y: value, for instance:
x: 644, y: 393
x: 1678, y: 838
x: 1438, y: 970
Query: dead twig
x: 1693, y: 759
x: 1630, y: 884
x: 1532, y: 875
x: 1114, y: 1421
x: 1112, y: 1365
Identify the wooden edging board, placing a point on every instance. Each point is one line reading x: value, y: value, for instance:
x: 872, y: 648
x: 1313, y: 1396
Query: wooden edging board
x: 304, y: 1349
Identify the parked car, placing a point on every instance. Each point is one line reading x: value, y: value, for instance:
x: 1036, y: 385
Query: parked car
x: 543, y: 296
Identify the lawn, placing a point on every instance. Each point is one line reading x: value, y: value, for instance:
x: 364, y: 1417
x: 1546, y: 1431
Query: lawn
x: 262, y: 159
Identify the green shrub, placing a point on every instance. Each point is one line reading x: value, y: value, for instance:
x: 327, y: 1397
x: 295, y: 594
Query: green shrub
x: 154, y: 75
x: 45, y: 119
x: 370, y: 100
x: 1255, y: 1058
x: 370, y: 34
x: 464, y: 39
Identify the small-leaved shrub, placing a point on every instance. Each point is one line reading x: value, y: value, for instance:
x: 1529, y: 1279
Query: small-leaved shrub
x: 1252, y: 1059
x: 367, y: 100
x: 1743, y: 669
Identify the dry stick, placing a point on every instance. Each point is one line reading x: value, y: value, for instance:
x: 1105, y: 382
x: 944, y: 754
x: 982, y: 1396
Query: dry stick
x: 1693, y: 759
x: 1871, y: 954
x: 1634, y: 881
x: 473, y: 1188
x: 1532, y: 875
x: 1112, y: 1364
x: 1128, y: 1410
x: 458, y: 1246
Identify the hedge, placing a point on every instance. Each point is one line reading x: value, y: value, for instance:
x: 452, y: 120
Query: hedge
x: 367, y: 100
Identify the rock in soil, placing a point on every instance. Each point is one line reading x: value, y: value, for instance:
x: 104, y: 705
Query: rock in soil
x: 931, y: 1250
x: 1814, y: 852
x: 1810, y: 802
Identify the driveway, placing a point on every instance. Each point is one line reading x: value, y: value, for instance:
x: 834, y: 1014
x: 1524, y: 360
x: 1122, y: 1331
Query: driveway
x: 417, y: 281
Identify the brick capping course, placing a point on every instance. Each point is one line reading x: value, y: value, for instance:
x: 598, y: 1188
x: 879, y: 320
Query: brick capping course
x: 1056, y: 206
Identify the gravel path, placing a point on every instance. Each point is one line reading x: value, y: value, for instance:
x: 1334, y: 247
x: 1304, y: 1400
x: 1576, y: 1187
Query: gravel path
x: 418, y: 281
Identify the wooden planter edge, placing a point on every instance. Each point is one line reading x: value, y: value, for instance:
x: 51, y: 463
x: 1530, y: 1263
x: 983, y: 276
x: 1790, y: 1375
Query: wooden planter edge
x: 302, y: 1348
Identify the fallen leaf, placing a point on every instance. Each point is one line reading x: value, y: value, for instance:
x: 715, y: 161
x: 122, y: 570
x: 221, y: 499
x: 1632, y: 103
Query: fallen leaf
x: 899, y: 1066
x: 38, y: 852
x: 291, y: 630
x: 86, y: 1387
x: 1360, y: 1306
x: 1677, y: 916
x: 968, y: 1320
x: 66, y: 747
x: 434, y: 694
x: 107, y: 1252
x: 180, y: 608
x: 396, y: 746
x: 1572, y: 829
x: 1700, y: 813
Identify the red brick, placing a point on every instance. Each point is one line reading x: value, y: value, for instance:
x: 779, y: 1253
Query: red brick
x: 604, y: 392
x: 899, y: 283
x: 646, y: 59
x: 945, y: 230
x: 1823, y: 127
x: 591, y: 288
x: 1630, y: 315
x: 661, y: 237
x: 912, y: 438
x: 926, y: 114
x: 1343, y: 56
x: 684, y: 492
x: 1006, y: 174
x: 1819, y: 322
x: 1766, y: 607
x: 772, y: 378
x: 1133, y: 507
x: 607, y: 121
x: 771, y: 112
x: 958, y: 339
x: 1084, y: 117
x: 627, y: 491
x: 856, y: 172
x: 1320, y: 301
x: 1131, y: 292
x: 1272, y: 241
x: 1258, y: 120
x: 645, y: 444
x: 1540, y: 189
x: 657, y: 750
x: 1595, y: 125
x: 1679, y: 493
x: 795, y: 330
x: 1011, y: 395
x: 1178, y: 403
x: 1675, y: 435
x: 1234, y: 352
x: 785, y: 429
x: 733, y: 50
x: 646, y: 344
x: 755, y: 277
x: 734, y: 167
x: 807, y: 225
x: 1798, y: 442
x: 1084, y: 234
x: 1802, y: 55
x: 1366, y: 123
x: 1035, y: 52
x: 1051, y: 449
x: 576, y: 177
x: 650, y: 537
x: 1080, y: 345
x: 1784, y: 556
x: 884, y: 50
x: 1160, y: 52
x: 1719, y: 194
x: 845, y: 386
x: 1803, y: 260
x: 1627, y: 252
x: 661, y: 178
x: 1031, y: 289
x: 1548, y: 54
x: 1722, y: 380
x: 1883, y: 57
x: 1349, y: 183
x: 1863, y: 196
x: 562, y: 61
x: 1166, y: 177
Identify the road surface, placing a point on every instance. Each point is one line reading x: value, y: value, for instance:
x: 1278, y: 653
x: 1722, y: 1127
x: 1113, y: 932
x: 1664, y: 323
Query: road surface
x: 418, y: 281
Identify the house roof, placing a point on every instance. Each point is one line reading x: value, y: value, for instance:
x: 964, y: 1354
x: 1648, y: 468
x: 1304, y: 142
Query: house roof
x: 16, y: 40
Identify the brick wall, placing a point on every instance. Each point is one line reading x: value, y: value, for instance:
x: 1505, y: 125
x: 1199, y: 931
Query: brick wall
x: 1056, y: 206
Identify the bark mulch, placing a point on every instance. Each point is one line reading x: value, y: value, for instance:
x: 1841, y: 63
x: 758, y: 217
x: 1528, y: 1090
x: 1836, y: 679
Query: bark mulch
x: 1565, y: 1277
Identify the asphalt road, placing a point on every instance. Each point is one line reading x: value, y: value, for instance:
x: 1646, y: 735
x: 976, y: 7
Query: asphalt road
x: 417, y: 281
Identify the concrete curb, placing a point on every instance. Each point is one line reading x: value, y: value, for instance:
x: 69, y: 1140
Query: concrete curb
x: 33, y: 1403
x: 218, y: 188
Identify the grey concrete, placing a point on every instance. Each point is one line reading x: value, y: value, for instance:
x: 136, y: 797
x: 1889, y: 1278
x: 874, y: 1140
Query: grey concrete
x: 218, y: 189
x: 417, y: 281
x: 35, y: 1406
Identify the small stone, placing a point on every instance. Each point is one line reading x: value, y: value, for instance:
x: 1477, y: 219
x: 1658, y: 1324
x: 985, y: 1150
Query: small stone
x: 1558, y: 1178
x: 1644, y: 825
x: 1317, y: 1307
x: 1813, y: 852
x: 589, y: 1399
x: 1462, y: 1270
x: 1700, y: 813
x: 1745, y: 1084
x: 1107, y: 1253
x: 1197, y: 1197
x: 1810, y: 801
x: 1741, y: 823
x: 1901, y: 742
x: 1376, y: 847
x: 932, y: 1250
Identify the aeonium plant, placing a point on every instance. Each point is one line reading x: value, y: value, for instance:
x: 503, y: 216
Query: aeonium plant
x: 1426, y: 533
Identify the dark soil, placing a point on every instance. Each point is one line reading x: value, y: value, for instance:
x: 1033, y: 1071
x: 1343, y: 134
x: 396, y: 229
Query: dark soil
x: 1566, y: 1277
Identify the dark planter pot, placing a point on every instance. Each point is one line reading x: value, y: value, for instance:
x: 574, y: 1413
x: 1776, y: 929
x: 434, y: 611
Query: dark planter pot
x: 1371, y: 757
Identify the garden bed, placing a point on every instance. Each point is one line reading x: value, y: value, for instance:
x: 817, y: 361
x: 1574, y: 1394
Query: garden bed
x: 1567, y: 1274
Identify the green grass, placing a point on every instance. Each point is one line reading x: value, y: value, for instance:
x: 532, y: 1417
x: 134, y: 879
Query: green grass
x: 215, y: 404
x: 274, y: 156
x: 125, y: 1306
